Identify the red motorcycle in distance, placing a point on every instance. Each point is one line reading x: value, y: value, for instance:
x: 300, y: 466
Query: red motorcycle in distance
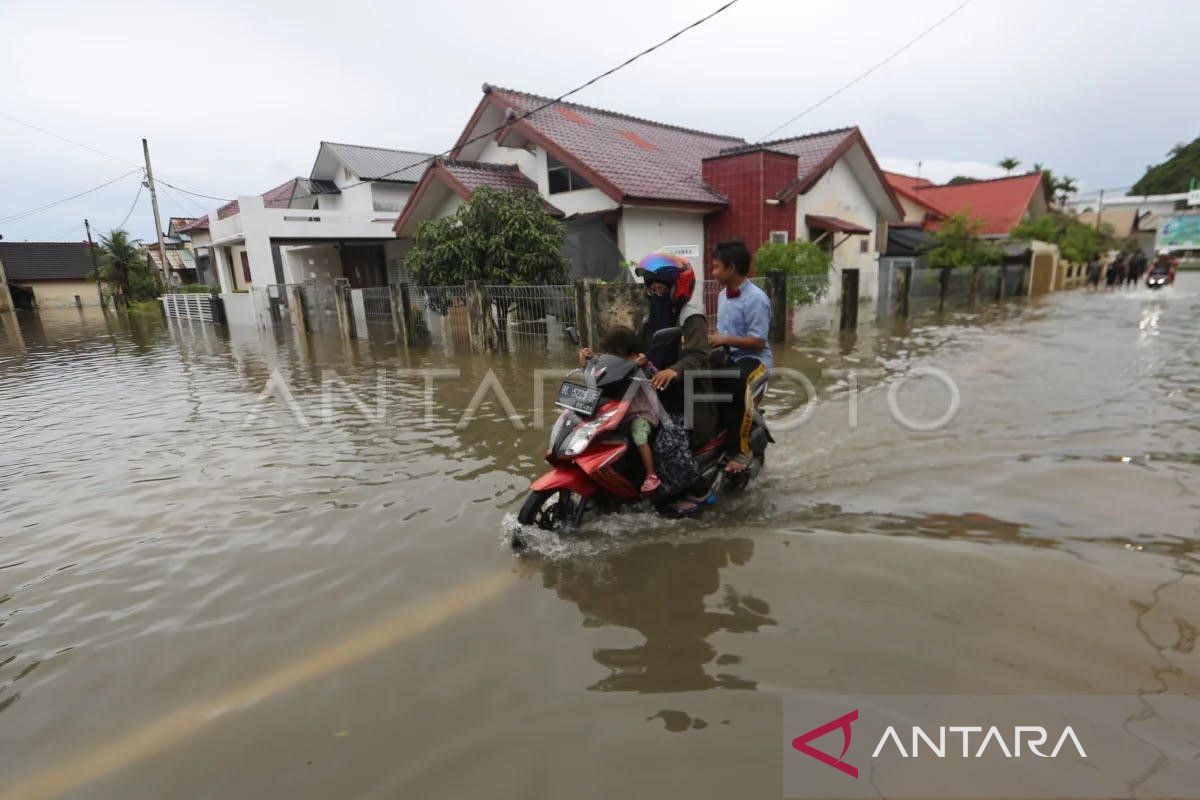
x: 593, y: 463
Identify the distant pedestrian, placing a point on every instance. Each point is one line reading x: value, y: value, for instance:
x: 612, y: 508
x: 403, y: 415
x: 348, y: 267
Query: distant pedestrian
x: 1122, y: 268
x: 1137, y: 268
x: 1093, y: 274
x: 1110, y: 275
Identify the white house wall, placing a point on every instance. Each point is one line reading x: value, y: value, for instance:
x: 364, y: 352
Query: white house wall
x: 644, y: 230
x: 838, y: 193
x: 389, y: 196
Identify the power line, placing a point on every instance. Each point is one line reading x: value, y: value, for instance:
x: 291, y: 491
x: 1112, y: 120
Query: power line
x: 559, y: 99
x: 136, y: 197
x: 856, y: 80
x: 197, y: 194
x: 178, y: 199
x: 97, y: 151
x: 24, y: 214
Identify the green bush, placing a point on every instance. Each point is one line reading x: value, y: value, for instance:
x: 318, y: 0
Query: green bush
x: 797, y: 259
x: 958, y: 244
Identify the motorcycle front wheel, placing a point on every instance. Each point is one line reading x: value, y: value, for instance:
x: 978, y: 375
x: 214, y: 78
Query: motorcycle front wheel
x: 553, y: 510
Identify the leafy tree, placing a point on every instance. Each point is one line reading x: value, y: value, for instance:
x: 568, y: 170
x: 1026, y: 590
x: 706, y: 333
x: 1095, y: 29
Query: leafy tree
x: 1009, y: 163
x: 125, y: 267
x: 1173, y: 175
x: 1077, y: 242
x: 958, y: 244
x: 800, y: 259
x: 961, y: 179
x: 499, y: 237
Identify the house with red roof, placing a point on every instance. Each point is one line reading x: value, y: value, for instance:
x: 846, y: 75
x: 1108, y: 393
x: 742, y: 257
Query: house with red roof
x: 336, y: 223
x: 626, y: 186
x: 823, y: 187
x: 1000, y: 203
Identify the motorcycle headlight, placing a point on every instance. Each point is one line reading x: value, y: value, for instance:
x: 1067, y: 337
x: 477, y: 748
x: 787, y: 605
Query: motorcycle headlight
x: 579, y: 439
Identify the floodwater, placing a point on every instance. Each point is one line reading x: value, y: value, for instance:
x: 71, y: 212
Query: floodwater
x: 206, y: 591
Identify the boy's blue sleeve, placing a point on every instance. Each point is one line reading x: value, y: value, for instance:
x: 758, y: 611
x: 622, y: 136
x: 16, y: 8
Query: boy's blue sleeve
x: 758, y: 319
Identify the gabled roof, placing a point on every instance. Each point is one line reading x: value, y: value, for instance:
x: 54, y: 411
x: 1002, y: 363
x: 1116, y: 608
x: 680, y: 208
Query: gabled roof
x: 373, y: 163
x: 45, y: 261
x: 463, y: 178
x: 628, y: 158
x: 910, y: 183
x: 1000, y: 202
x: 907, y: 186
x: 176, y: 224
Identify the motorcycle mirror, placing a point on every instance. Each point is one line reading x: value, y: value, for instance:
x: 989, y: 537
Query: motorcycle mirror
x: 572, y: 334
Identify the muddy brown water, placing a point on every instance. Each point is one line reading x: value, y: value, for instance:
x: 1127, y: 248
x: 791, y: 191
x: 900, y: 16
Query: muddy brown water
x: 203, y: 596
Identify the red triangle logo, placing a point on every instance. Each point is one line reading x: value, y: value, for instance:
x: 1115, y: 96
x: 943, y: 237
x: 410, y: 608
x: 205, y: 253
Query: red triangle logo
x: 842, y: 723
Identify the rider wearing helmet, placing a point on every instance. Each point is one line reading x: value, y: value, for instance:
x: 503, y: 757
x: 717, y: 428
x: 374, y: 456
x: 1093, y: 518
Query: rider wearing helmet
x: 669, y: 284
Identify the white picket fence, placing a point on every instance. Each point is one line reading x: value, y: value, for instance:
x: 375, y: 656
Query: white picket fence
x: 190, y: 306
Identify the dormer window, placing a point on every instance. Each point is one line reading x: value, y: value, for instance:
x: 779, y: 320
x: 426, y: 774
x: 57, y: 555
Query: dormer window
x: 347, y: 174
x: 562, y: 178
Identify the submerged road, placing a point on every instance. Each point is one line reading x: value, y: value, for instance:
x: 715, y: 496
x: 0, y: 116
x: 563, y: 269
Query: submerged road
x: 194, y: 604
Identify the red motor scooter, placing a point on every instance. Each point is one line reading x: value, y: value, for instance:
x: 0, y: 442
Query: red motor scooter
x: 593, y: 463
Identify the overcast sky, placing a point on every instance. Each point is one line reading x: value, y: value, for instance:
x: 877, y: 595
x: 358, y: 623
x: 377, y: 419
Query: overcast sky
x: 236, y: 96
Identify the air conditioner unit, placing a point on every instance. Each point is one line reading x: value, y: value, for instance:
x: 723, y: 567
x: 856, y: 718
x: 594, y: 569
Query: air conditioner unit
x: 779, y: 237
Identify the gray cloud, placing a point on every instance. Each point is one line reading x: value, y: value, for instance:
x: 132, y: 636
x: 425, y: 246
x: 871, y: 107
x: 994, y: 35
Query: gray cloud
x: 235, y: 96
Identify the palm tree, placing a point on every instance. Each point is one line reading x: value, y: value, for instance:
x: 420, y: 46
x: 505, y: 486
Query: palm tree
x: 1009, y: 163
x: 1065, y: 186
x: 120, y: 255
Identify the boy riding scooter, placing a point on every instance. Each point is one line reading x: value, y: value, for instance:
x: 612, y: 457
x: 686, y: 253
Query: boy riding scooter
x: 743, y: 325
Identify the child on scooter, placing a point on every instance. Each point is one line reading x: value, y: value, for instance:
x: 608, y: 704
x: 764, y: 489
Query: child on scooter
x: 643, y: 406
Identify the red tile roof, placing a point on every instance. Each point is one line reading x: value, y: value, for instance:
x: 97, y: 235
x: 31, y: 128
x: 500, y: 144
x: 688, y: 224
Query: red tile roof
x: 628, y: 158
x: 908, y: 182
x: 907, y: 186
x: 1000, y: 202
x: 473, y: 174
x: 463, y: 178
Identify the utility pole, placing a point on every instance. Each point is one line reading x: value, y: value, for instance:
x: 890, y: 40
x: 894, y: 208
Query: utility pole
x: 1099, y: 209
x: 162, y: 250
x: 87, y: 226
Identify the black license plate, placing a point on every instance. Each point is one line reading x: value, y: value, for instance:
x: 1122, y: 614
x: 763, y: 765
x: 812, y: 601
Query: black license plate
x: 578, y: 398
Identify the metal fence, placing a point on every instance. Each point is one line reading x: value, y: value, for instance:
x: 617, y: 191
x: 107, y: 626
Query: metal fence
x: 530, y: 316
x: 190, y: 306
x: 377, y: 305
x: 438, y: 315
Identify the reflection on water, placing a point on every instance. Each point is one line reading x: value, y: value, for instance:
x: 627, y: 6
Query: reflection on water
x: 673, y: 596
x: 169, y: 533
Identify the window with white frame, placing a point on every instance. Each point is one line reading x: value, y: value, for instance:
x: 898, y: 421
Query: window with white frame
x: 779, y: 237
x: 563, y: 178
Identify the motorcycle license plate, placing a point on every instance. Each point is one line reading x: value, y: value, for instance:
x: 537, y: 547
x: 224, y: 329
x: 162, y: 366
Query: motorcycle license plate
x: 578, y: 398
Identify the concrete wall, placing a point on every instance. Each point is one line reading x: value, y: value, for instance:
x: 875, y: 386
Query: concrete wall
x: 61, y: 294
x: 5, y: 298
x: 239, y: 309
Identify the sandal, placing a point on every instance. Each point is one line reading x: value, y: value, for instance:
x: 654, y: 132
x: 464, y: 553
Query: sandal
x: 741, y: 459
x: 690, y: 505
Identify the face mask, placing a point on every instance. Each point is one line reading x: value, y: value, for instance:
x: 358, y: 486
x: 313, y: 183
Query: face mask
x: 662, y: 313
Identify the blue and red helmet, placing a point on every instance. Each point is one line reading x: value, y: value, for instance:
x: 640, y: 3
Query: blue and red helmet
x: 673, y: 270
